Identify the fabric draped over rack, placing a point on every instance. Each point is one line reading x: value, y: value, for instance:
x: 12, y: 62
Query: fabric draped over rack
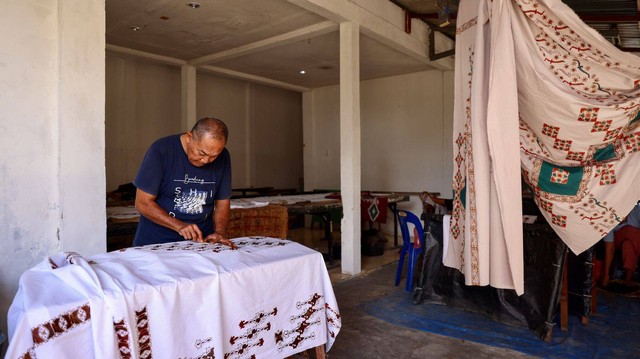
x: 542, y: 97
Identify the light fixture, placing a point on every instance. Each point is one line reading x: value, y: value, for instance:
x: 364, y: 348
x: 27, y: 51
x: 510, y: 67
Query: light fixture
x: 135, y: 28
x: 193, y: 4
x: 444, y: 12
x: 302, y: 72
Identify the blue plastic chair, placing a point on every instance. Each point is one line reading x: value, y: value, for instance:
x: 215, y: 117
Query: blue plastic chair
x: 413, y: 249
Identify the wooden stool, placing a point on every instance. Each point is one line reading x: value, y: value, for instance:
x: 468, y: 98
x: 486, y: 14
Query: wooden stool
x: 564, y: 294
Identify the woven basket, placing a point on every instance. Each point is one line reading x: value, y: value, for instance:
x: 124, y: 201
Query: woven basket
x: 268, y: 221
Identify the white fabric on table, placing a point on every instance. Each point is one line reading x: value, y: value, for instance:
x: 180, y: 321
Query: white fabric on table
x: 122, y: 212
x: 245, y: 203
x: 270, y: 298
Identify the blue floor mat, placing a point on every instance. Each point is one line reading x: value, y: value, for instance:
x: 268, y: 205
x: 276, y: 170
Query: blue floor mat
x: 614, y: 332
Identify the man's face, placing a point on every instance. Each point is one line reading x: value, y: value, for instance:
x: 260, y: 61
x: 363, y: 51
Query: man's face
x: 204, y: 150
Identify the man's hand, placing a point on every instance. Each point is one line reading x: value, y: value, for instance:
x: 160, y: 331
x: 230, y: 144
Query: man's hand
x: 191, y: 231
x: 219, y: 238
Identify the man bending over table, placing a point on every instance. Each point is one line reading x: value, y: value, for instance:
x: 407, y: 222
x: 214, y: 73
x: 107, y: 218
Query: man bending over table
x: 183, y: 187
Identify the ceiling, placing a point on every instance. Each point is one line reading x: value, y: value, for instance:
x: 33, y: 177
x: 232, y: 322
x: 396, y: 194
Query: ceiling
x: 224, y: 35
x: 273, y: 40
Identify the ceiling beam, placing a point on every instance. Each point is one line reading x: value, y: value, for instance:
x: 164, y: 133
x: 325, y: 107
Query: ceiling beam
x: 276, y: 41
x: 146, y: 55
x: 616, y: 18
x: 583, y: 16
x: 252, y: 78
x: 380, y: 20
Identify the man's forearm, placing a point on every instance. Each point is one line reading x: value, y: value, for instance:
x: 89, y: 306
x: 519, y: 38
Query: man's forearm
x: 156, y: 214
x: 221, y: 216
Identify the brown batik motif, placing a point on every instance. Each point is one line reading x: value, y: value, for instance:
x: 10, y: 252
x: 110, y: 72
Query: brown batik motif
x: 144, y: 338
x: 297, y: 335
x: 252, y: 336
x: 257, y: 241
x: 122, y: 334
x: 209, y: 351
x: 600, y: 216
x: 334, y: 321
x: 57, y: 327
x: 61, y: 324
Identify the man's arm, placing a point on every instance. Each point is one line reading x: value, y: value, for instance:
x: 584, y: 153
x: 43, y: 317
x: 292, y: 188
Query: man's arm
x: 147, y: 206
x: 220, y: 222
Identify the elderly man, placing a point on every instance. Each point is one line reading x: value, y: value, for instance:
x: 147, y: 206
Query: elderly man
x: 625, y: 238
x: 183, y: 187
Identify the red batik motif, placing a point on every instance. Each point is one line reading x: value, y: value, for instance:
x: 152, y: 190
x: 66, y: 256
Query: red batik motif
x: 599, y: 126
x: 606, y: 173
x: 632, y: 142
x: 546, y: 205
x: 558, y: 220
x: 612, y: 134
x: 575, y: 156
x: 562, y: 145
x: 588, y: 114
x: 559, y: 176
x: 551, y: 131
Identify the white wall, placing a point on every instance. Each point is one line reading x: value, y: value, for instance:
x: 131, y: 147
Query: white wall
x: 265, y: 129
x: 276, y: 137
x: 322, y: 146
x: 142, y: 105
x: 143, y: 102
x: 227, y: 99
x: 406, y: 135
x: 52, y: 174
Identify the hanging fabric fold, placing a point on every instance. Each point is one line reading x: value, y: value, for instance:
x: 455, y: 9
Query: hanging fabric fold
x: 538, y: 94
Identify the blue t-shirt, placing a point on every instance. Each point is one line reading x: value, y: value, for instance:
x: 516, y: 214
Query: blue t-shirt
x: 185, y: 191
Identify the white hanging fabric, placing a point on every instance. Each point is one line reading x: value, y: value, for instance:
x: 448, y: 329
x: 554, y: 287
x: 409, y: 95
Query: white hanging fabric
x: 538, y: 95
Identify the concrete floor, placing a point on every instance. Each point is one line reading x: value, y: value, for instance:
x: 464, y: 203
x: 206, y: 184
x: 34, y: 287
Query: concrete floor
x: 363, y: 336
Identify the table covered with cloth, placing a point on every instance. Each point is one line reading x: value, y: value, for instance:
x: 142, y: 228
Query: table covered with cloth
x: 270, y: 298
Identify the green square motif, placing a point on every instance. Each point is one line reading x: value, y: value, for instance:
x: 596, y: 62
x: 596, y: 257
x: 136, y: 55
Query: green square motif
x: 635, y: 119
x: 570, y: 188
x: 605, y: 153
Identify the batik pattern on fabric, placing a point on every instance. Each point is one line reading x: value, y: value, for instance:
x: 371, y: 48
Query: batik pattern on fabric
x: 374, y: 209
x: 180, y: 300
x: 575, y: 121
x: 56, y: 327
x: 465, y: 248
x: 583, y: 136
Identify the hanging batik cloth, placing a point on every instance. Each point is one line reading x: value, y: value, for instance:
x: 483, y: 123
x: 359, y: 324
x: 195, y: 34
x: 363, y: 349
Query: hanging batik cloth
x: 538, y: 95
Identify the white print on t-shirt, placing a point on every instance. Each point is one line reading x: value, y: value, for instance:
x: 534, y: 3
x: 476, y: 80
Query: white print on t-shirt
x: 193, y: 179
x: 189, y: 203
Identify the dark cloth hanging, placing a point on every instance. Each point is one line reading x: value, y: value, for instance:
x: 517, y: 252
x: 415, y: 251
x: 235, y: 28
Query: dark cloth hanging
x: 544, y: 256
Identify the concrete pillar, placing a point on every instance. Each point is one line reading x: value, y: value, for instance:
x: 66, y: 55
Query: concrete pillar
x: 350, y: 181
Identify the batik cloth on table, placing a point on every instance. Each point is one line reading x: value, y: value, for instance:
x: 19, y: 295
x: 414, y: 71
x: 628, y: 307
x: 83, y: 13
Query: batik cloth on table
x: 538, y: 95
x: 271, y: 298
x: 374, y: 209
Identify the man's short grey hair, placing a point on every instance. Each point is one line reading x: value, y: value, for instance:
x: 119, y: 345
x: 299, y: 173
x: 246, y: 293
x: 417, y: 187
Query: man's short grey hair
x: 210, y: 127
